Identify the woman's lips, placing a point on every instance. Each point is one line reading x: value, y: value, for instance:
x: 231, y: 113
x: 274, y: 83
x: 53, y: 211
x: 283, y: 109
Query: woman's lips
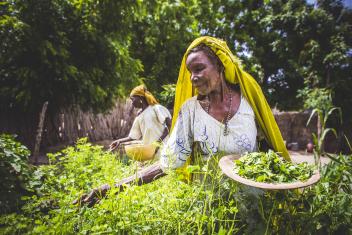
x: 198, y: 85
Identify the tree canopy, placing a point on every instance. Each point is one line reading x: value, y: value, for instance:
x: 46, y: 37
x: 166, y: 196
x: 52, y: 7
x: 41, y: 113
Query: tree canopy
x: 89, y: 52
x: 65, y: 52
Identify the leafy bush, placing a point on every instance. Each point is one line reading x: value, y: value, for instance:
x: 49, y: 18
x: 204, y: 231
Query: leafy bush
x: 15, y: 173
x: 210, y: 204
x: 166, y: 206
x: 316, y: 98
x: 167, y: 96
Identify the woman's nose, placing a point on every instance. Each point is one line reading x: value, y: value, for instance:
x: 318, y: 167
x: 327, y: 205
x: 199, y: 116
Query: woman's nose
x: 194, y: 78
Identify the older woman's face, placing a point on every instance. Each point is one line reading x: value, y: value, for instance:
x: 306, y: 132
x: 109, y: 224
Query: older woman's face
x: 204, y: 74
x: 136, y: 101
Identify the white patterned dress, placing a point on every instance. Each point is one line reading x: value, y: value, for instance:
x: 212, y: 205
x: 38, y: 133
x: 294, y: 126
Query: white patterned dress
x: 194, y: 124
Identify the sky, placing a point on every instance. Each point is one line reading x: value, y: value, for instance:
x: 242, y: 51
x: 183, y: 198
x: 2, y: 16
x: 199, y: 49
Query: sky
x: 347, y: 3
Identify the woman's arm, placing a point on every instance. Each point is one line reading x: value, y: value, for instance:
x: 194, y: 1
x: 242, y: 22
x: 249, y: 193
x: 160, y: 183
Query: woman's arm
x: 165, y: 132
x: 144, y: 176
x: 135, y: 134
x: 166, y: 129
x: 115, y: 144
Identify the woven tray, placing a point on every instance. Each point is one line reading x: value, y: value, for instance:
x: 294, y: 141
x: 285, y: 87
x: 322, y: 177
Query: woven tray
x: 227, y: 165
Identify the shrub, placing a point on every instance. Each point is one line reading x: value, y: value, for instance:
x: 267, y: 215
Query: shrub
x: 15, y: 173
x: 166, y: 206
x: 210, y: 204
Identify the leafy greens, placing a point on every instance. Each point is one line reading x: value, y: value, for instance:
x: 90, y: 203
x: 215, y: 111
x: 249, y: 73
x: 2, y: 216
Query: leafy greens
x: 269, y: 167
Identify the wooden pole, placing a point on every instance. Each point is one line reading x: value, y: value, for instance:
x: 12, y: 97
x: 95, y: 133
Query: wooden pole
x: 38, y: 137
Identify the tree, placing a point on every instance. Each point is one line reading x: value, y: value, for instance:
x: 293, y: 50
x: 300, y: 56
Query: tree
x: 315, y: 43
x: 65, y: 52
x: 287, y: 45
x: 161, y: 37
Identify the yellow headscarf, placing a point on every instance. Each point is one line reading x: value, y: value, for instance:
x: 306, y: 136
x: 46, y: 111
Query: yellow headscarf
x: 141, y: 90
x: 233, y: 74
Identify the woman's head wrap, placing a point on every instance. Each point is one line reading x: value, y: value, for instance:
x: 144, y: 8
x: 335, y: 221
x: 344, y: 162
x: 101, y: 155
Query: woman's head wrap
x: 142, y: 91
x: 233, y: 74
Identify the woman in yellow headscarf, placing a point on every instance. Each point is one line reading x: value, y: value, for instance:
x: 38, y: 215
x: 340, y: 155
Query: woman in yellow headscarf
x: 222, y: 116
x: 217, y: 105
x: 152, y: 122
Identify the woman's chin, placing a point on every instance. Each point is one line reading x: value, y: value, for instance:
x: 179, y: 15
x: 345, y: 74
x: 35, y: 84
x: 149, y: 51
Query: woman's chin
x: 202, y: 91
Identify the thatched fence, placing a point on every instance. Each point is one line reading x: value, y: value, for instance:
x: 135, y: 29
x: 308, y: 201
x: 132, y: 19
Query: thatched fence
x: 293, y: 127
x: 69, y: 124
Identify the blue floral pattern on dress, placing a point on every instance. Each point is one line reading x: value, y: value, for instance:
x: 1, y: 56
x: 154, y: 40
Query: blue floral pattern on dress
x: 204, y: 137
x: 243, y: 142
x: 181, y: 146
x: 181, y: 142
x: 206, y: 146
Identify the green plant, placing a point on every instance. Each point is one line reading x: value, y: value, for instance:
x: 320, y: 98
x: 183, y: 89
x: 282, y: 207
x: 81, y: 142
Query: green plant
x: 168, y: 205
x: 316, y: 98
x: 167, y: 96
x: 318, y: 139
x: 320, y: 101
x: 210, y: 204
x: 16, y: 175
x: 324, y: 208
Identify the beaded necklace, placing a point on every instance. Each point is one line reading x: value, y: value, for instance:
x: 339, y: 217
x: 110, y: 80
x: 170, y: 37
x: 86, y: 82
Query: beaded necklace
x: 227, y: 117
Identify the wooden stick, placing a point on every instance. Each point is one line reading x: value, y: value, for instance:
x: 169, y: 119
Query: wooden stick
x: 38, y: 137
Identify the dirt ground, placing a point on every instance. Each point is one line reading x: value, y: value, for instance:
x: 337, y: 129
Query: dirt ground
x: 303, y: 156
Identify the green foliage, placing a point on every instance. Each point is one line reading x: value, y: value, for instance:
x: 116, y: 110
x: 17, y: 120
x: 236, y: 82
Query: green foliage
x: 65, y: 52
x: 166, y: 206
x: 16, y: 175
x: 88, y: 52
x: 310, y: 41
x: 287, y: 45
x: 321, y: 209
x: 167, y: 96
x: 161, y: 37
x: 271, y: 168
x: 248, y: 28
x: 210, y: 204
x: 319, y: 138
x: 317, y: 98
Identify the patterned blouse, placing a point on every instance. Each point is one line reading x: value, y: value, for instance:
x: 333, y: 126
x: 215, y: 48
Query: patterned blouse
x: 194, y: 124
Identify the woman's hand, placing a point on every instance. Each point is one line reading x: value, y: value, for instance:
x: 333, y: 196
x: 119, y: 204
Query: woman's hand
x: 93, y: 197
x: 114, y: 145
x: 156, y: 150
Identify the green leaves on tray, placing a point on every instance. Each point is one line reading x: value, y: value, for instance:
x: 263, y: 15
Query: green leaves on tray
x: 271, y: 168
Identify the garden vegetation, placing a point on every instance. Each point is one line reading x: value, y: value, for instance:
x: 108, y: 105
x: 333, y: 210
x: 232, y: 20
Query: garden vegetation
x: 169, y: 205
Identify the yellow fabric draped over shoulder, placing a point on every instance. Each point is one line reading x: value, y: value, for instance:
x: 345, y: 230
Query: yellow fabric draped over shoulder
x: 248, y: 85
x: 141, y: 90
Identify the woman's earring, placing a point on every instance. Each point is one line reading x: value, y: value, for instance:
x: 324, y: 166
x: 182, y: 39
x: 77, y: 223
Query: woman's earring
x: 195, y: 78
x: 222, y: 73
